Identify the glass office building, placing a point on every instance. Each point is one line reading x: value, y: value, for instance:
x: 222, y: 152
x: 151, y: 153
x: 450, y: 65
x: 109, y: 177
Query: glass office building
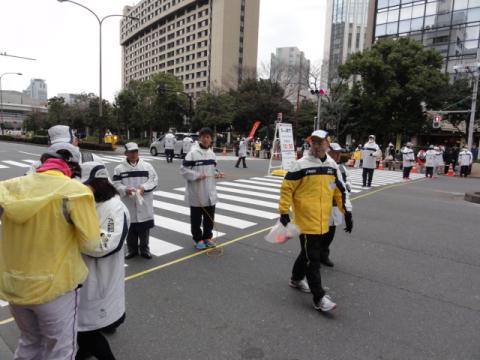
x: 449, y: 26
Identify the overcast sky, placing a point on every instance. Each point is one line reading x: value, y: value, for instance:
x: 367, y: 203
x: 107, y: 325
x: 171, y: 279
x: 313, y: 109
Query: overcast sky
x: 64, y: 40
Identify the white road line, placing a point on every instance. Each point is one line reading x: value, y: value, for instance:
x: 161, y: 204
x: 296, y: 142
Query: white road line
x: 220, y: 205
x: 241, y: 199
x: 220, y: 219
x: 3, y: 166
x: 3, y: 303
x: 251, y: 193
x: 244, y: 186
x: 15, y: 163
x: 27, y: 153
x: 258, y: 183
x: 276, y: 181
x: 160, y: 247
x: 274, y: 177
x: 177, y: 226
x: 30, y: 161
x: 110, y: 158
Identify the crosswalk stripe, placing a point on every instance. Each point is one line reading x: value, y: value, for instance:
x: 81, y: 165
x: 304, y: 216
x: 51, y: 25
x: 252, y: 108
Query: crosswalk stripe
x: 110, y: 158
x: 220, y: 219
x: 3, y: 166
x: 276, y: 181
x: 224, y: 206
x: 274, y: 177
x: 247, y: 192
x: 258, y: 183
x: 15, y: 163
x: 244, y: 186
x: 30, y: 161
x: 160, y: 247
x: 177, y: 226
x: 243, y: 200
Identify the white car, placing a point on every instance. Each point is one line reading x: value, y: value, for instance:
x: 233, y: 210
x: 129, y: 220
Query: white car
x: 158, y: 146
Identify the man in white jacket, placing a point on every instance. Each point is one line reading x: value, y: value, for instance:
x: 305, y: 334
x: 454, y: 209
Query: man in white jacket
x: 242, y: 152
x: 200, y: 172
x: 408, y: 160
x: 135, y: 180
x: 170, y: 142
x: 370, y: 152
x: 431, y: 160
x: 465, y: 159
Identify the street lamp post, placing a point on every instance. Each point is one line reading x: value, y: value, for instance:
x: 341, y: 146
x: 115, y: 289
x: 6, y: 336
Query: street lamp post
x: 100, y: 23
x: 1, y: 98
x: 319, y: 94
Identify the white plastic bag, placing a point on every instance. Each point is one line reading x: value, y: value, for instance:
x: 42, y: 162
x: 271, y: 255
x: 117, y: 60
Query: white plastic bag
x: 281, y: 234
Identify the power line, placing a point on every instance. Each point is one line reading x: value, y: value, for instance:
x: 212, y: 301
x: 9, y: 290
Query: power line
x: 16, y: 56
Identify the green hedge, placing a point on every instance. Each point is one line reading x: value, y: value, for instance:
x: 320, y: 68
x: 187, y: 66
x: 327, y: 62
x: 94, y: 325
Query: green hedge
x: 95, y: 146
x: 43, y: 140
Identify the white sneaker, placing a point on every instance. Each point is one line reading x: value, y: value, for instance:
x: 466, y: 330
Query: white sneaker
x: 325, y: 304
x: 301, y: 285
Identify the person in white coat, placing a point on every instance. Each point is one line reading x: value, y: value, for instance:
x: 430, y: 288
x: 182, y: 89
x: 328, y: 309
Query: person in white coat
x: 370, y: 152
x: 337, y: 217
x: 135, y: 180
x: 242, y: 152
x: 431, y: 161
x: 170, y: 142
x: 102, y: 296
x: 187, y: 144
x: 440, y: 161
x: 200, y: 172
x: 465, y: 159
x: 408, y: 160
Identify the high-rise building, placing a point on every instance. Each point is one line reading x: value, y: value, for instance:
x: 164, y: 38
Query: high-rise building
x: 290, y: 68
x: 37, y: 90
x: 208, y: 44
x: 346, y: 26
x: 452, y: 27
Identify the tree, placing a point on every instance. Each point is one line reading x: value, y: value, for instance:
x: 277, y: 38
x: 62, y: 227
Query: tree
x: 391, y: 80
x: 215, y: 110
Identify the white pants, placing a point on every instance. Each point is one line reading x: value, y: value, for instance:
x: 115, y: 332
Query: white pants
x: 48, y: 331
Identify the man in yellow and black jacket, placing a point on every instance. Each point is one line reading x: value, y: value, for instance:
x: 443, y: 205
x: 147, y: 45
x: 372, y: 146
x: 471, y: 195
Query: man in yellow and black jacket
x: 310, y: 187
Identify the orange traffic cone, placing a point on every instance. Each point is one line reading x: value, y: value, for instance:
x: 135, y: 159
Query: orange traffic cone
x: 450, y: 171
x: 414, y: 169
x: 381, y: 166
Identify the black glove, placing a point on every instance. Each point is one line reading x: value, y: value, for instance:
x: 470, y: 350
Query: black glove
x: 348, y: 222
x: 284, y: 219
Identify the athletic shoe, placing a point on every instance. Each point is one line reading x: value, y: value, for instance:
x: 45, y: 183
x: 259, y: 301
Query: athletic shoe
x: 210, y: 243
x: 301, y: 285
x: 325, y: 304
x: 200, y: 245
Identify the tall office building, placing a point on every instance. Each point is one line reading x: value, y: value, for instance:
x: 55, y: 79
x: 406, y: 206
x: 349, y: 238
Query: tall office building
x: 208, y: 44
x: 37, y: 90
x: 450, y: 26
x: 290, y: 68
x: 346, y: 26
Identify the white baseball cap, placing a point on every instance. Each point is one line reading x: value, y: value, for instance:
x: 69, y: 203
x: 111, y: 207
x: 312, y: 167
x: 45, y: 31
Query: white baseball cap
x: 131, y: 146
x: 322, y: 134
x: 60, y: 134
x: 93, y: 170
x: 371, y: 136
x: 335, y: 147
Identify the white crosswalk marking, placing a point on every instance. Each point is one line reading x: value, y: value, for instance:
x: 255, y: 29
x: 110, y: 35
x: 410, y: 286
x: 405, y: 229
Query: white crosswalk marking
x: 177, y: 226
x: 30, y: 161
x: 229, y: 207
x: 220, y: 219
x: 244, y: 186
x: 3, y: 166
x: 159, y: 247
x: 250, y: 193
x: 258, y: 183
x: 15, y: 163
x: 110, y: 158
x: 269, y: 179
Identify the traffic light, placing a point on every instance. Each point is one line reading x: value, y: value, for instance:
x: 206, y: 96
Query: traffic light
x: 437, y: 121
x: 318, y: 92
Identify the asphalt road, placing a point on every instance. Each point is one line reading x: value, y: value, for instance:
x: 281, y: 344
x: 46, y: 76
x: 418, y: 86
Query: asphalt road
x: 405, y: 281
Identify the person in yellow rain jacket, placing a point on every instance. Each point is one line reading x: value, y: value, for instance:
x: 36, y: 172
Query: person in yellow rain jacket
x: 47, y: 220
x: 310, y: 187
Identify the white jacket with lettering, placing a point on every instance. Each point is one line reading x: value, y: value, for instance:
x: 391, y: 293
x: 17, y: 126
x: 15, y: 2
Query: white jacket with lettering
x: 465, y: 158
x: 431, y: 158
x: 200, y: 162
x: 408, y: 157
x: 102, y: 296
x: 370, y: 152
x: 125, y: 175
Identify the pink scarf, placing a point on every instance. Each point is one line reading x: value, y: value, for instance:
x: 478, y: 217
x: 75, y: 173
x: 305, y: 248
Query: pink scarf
x: 55, y: 164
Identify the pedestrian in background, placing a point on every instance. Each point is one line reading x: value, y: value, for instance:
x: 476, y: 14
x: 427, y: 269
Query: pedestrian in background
x: 474, y: 152
x: 408, y: 157
x: 431, y: 158
x: 242, y: 152
x: 135, y: 180
x: 440, y: 159
x: 357, y: 156
x: 187, y: 144
x: 337, y: 218
x: 370, y: 152
x: 169, y: 144
x: 267, y: 148
x: 465, y: 159
x: 102, y: 298
x: 200, y: 172
x: 258, y: 148
x: 48, y: 220
x: 310, y: 187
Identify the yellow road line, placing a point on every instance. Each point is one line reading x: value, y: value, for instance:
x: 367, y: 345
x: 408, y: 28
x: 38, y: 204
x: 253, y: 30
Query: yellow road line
x: 191, y: 256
